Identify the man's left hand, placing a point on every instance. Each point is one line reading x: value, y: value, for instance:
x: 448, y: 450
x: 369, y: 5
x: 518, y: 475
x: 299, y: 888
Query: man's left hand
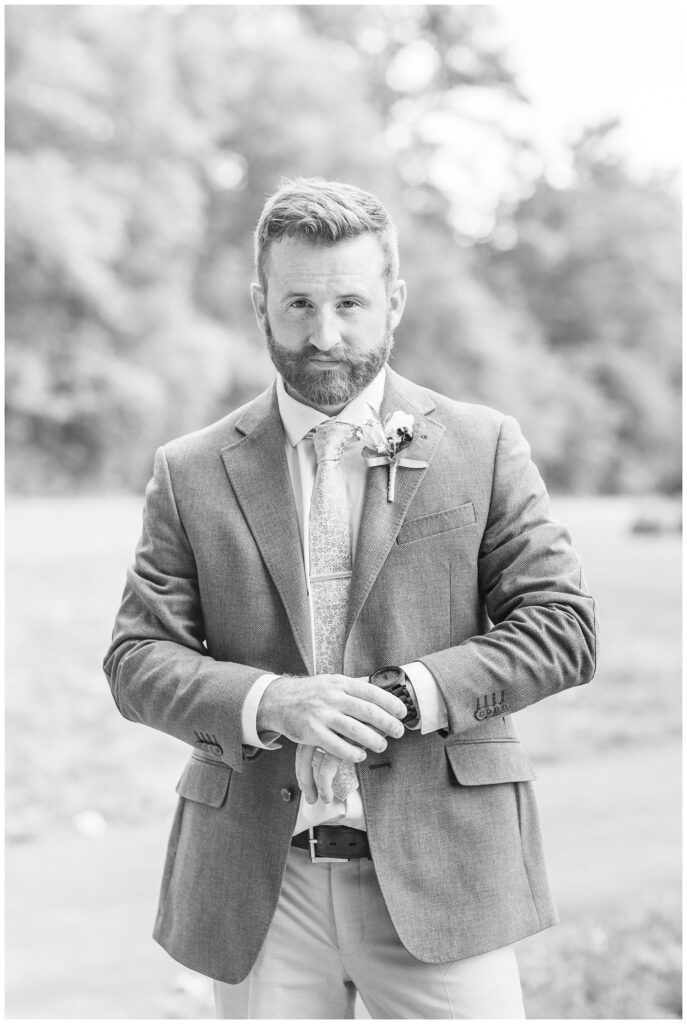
x: 315, y: 771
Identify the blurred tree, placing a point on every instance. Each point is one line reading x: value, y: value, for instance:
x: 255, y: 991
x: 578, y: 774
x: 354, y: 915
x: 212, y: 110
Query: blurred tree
x: 458, y: 337
x: 104, y: 219
x: 598, y: 264
x: 141, y: 143
x: 454, y: 116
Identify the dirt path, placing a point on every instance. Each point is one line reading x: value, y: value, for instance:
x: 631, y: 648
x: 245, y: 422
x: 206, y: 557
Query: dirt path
x: 80, y: 911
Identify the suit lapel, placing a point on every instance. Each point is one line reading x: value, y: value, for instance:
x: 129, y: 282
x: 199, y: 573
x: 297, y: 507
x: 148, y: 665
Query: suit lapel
x: 257, y: 469
x: 382, y: 519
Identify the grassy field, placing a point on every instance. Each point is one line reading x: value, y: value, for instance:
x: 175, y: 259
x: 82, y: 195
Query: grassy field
x: 69, y: 752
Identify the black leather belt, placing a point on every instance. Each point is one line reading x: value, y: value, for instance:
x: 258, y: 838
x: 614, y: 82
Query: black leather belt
x: 333, y: 843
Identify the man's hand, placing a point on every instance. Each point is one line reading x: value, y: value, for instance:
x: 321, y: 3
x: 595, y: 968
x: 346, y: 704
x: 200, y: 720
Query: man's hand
x: 315, y: 772
x: 343, y: 716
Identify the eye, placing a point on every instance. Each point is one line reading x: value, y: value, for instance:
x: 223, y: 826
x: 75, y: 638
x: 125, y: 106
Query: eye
x: 299, y: 304
x: 349, y: 303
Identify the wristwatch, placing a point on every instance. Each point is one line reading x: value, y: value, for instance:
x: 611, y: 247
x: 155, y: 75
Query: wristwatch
x: 394, y: 680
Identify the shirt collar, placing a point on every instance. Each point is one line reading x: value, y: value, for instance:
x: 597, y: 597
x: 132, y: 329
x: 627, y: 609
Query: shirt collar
x: 298, y: 418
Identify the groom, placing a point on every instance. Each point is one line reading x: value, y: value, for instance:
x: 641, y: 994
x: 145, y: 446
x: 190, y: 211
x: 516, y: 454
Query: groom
x: 342, y: 592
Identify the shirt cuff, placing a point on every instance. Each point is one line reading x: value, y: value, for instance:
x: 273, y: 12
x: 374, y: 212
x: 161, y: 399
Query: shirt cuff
x: 249, y: 716
x: 428, y: 697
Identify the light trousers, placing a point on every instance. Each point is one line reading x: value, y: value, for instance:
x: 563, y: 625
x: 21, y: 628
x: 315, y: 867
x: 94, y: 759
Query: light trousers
x: 332, y: 936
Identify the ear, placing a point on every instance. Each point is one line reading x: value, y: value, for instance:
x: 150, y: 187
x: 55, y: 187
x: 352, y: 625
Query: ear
x: 259, y: 300
x: 397, y: 303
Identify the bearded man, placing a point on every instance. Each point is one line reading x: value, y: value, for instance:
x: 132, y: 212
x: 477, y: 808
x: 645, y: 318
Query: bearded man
x: 342, y: 592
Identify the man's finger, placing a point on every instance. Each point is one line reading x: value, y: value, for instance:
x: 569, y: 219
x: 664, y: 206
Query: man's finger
x: 371, y: 714
x: 335, y: 744
x: 324, y: 771
x: 358, y: 732
x: 376, y: 695
x: 304, y: 771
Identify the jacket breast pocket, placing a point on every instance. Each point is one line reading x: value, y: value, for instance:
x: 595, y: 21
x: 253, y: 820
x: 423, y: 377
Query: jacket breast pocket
x: 205, y: 782
x: 489, y: 762
x: 437, y: 522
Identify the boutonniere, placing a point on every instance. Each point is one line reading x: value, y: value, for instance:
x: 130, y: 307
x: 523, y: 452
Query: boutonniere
x: 384, y: 443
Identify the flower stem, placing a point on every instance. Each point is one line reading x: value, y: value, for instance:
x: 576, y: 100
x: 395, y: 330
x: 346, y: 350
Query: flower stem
x: 391, y: 486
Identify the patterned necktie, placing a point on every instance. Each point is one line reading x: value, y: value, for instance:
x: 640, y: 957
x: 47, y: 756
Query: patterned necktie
x: 331, y: 563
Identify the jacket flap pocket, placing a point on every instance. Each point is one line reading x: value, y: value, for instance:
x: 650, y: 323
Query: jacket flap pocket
x: 437, y: 522
x: 205, y: 782
x: 489, y: 762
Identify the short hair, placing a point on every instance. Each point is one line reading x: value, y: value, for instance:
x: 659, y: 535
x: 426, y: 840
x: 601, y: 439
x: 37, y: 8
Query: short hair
x: 324, y: 212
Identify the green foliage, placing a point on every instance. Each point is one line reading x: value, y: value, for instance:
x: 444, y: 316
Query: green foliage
x: 141, y: 143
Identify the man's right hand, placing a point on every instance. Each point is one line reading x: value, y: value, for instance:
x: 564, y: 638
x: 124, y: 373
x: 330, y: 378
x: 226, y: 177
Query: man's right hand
x: 342, y: 715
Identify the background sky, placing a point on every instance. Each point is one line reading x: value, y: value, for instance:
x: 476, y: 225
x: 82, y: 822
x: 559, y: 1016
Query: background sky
x: 580, y: 63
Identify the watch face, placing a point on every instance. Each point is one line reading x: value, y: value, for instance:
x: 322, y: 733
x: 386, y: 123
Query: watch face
x: 387, y: 676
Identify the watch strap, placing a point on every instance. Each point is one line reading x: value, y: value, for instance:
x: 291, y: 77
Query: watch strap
x: 399, y: 688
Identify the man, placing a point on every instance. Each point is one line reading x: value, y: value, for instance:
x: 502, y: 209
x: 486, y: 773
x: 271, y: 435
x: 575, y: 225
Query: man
x: 282, y: 565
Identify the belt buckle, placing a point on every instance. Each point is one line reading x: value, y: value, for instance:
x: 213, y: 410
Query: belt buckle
x: 314, y: 859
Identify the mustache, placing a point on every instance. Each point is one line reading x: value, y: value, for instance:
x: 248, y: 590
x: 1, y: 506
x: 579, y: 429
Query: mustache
x: 333, y: 355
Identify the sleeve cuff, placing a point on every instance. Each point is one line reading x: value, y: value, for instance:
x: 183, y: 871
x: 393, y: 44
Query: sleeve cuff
x: 428, y: 697
x: 249, y: 716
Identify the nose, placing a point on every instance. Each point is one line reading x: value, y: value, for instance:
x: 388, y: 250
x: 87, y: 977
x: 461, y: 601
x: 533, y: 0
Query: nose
x: 325, y: 332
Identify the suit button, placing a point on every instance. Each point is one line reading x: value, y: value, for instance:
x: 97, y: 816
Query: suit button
x: 481, y: 714
x: 498, y: 708
x: 285, y: 794
x: 215, y: 748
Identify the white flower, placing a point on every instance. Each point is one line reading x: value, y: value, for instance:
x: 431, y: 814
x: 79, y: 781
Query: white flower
x: 372, y: 433
x: 399, y: 425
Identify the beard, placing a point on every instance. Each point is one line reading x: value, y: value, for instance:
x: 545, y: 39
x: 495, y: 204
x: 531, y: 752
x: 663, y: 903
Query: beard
x: 337, y: 386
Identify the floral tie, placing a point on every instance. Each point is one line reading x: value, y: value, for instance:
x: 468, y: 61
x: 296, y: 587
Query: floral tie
x: 331, y: 563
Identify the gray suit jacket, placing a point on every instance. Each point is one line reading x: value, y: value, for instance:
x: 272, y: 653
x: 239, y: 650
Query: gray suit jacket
x: 465, y: 571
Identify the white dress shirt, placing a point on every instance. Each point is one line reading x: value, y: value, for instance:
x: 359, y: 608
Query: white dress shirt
x: 298, y: 420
